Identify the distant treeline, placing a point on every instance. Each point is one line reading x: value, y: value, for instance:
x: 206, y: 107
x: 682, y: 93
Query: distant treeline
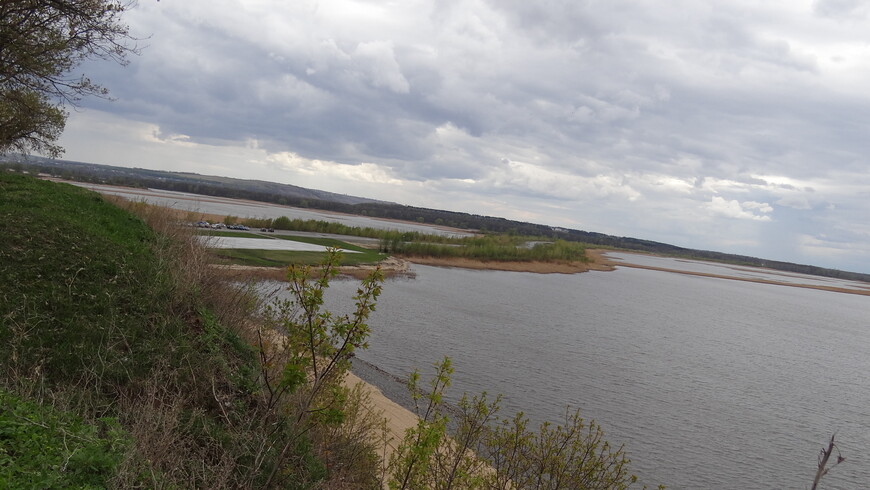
x: 495, y: 248
x: 236, y: 188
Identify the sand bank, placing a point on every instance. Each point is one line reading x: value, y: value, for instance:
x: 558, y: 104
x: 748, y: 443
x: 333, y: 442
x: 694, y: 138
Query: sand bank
x: 863, y: 292
x: 398, y: 418
x: 597, y: 262
x: 390, y: 266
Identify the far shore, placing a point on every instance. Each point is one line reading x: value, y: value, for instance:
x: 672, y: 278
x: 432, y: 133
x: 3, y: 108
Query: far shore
x: 598, y: 261
x: 214, y: 218
x: 863, y: 292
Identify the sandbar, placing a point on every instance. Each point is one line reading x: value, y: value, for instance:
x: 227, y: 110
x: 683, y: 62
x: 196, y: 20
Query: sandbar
x: 596, y: 262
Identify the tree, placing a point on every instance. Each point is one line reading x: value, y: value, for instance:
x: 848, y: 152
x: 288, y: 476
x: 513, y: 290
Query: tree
x: 303, y: 373
x: 42, y: 43
x: 488, y: 452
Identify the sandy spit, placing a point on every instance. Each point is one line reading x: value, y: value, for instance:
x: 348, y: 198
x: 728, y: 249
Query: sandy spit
x: 597, y: 262
x: 863, y: 292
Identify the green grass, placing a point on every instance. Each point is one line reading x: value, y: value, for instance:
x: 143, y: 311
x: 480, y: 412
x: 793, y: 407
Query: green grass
x: 41, y: 447
x: 77, y: 272
x: 283, y: 258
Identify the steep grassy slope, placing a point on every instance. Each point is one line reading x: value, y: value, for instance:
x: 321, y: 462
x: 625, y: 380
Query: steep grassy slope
x: 121, y: 362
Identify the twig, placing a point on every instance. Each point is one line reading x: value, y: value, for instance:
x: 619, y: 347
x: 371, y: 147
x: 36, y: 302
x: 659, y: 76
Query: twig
x: 824, y: 455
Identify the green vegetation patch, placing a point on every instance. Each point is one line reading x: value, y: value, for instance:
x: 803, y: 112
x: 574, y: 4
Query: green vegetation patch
x: 77, y: 273
x: 326, y: 242
x: 283, y: 258
x: 504, y: 248
x: 41, y: 447
x: 92, y: 319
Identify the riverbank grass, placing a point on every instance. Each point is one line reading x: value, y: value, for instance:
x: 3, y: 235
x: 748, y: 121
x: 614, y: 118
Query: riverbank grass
x: 125, y: 362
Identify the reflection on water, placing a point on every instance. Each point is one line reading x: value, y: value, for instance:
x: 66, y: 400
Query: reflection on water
x: 710, y: 383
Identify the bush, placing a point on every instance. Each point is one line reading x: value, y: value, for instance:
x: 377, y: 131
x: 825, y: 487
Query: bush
x: 488, y: 452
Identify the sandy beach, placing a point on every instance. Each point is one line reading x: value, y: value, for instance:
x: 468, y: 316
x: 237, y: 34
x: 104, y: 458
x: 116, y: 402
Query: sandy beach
x: 398, y: 418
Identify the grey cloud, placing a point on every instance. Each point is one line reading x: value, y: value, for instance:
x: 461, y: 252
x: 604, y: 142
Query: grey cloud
x: 842, y: 9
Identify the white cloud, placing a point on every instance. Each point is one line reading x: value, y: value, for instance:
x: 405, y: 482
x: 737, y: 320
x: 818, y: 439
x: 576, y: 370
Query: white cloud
x: 740, y: 210
x: 363, y: 172
x: 822, y: 249
x: 377, y: 60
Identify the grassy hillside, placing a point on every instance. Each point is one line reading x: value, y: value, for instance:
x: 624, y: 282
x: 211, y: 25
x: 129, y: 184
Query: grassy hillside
x: 122, y: 362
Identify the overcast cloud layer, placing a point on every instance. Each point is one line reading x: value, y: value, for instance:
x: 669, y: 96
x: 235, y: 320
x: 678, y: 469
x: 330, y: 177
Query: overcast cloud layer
x: 737, y: 126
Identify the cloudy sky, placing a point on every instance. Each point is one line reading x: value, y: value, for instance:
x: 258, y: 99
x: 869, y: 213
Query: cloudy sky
x: 730, y: 125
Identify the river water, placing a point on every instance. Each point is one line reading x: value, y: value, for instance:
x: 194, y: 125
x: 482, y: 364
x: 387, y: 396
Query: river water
x: 709, y: 383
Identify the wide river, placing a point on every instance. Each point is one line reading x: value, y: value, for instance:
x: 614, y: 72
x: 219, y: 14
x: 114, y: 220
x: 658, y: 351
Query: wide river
x: 709, y: 383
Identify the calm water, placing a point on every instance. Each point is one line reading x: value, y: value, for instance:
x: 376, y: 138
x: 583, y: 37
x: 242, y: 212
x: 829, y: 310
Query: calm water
x: 710, y: 383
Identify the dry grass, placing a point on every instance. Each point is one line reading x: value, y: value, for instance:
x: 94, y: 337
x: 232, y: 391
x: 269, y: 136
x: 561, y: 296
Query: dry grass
x: 194, y: 428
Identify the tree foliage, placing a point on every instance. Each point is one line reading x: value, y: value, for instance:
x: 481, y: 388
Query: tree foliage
x: 486, y: 451
x: 311, y: 350
x: 42, y: 43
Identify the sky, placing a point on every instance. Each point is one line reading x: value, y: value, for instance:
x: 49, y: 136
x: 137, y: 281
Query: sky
x: 728, y: 125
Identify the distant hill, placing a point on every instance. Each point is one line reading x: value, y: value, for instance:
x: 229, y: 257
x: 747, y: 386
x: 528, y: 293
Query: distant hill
x: 291, y: 195
x: 257, y: 190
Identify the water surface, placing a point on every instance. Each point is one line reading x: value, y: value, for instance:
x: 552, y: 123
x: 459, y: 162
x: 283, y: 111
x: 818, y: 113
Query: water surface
x: 710, y: 383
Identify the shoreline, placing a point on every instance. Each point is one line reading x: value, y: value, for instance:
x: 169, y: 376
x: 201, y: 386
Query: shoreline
x: 398, y: 419
x: 597, y: 257
x: 833, y: 289
x: 597, y: 262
